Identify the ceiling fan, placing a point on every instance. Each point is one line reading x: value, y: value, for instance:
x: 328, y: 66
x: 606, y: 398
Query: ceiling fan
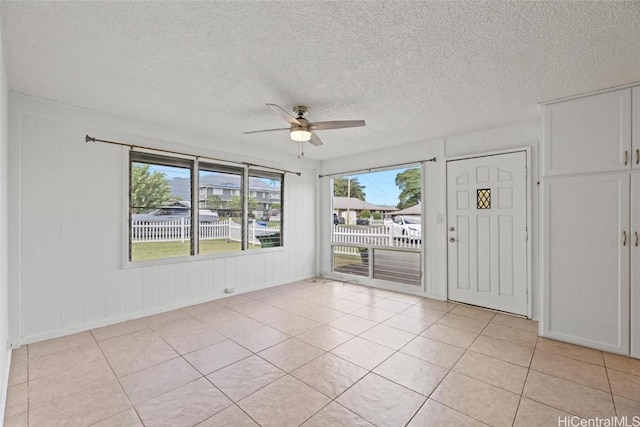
x: 301, y: 129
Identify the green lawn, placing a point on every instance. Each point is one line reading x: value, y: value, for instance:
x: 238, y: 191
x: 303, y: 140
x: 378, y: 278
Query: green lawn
x: 342, y: 260
x: 144, y: 251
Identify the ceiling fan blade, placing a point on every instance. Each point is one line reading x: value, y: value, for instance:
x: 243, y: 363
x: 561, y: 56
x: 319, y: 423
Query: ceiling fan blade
x: 315, y: 140
x: 264, y: 130
x: 336, y: 124
x: 283, y: 113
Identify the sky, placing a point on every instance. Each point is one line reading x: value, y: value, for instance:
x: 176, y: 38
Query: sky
x: 380, y: 187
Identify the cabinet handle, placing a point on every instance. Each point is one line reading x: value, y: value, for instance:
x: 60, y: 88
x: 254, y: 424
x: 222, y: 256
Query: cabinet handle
x: 637, y: 156
x: 624, y: 238
x: 636, y: 234
x: 626, y: 157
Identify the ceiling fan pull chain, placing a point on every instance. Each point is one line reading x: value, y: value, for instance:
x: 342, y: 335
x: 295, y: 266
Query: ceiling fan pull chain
x: 300, y: 149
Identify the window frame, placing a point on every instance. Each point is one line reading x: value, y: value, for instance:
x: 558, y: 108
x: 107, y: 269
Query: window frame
x: 195, y: 165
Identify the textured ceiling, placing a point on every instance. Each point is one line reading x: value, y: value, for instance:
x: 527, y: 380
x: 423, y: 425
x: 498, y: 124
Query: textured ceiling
x: 413, y: 70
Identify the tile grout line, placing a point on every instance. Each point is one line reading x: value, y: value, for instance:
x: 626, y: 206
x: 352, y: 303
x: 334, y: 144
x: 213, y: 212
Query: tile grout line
x: 450, y: 370
x: 613, y: 400
x: 457, y: 373
x: 119, y: 383
x: 515, y: 417
x: 534, y: 370
x: 288, y: 295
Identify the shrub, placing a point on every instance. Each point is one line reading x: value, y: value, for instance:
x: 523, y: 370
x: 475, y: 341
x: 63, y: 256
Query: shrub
x: 365, y: 214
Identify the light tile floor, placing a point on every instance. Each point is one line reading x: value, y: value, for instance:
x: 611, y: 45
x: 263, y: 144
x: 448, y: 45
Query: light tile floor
x: 317, y: 353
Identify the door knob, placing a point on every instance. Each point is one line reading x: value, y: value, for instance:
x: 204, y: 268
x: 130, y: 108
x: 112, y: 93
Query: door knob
x: 452, y: 228
x: 451, y: 239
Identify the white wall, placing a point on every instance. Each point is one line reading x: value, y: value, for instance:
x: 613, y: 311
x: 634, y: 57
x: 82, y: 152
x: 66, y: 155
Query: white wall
x: 5, y: 355
x: 434, y: 183
x: 68, y: 216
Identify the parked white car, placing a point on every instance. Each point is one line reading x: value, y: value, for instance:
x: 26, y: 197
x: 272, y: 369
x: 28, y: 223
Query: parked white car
x: 407, y: 227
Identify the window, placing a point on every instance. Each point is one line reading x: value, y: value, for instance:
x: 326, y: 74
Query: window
x: 224, y: 235
x: 484, y: 198
x: 265, y: 226
x: 377, y: 225
x: 160, y: 208
x: 162, y: 224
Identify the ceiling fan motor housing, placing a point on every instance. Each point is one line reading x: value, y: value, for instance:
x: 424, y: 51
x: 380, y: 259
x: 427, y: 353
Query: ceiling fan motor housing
x: 300, y: 110
x: 300, y: 132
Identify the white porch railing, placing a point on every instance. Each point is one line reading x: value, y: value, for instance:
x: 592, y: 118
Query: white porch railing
x: 375, y: 236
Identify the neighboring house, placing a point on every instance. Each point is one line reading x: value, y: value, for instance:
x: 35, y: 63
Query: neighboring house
x: 226, y: 186
x: 412, y: 210
x: 355, y: 206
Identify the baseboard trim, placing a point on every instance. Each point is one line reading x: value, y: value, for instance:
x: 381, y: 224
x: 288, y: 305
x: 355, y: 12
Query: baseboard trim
x: 29, y: 339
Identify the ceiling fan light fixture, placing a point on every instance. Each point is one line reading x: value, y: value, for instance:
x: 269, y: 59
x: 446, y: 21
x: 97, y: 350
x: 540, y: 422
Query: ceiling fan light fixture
x: 300, y: 134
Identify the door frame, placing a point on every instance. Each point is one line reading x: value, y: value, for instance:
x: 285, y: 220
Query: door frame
x: 528, y: 198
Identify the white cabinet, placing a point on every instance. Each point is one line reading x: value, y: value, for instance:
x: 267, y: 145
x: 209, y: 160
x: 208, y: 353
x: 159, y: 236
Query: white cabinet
x: 635, y: 264
x: 591, y: 221
x: 588, y: 134
x: 586, y: 260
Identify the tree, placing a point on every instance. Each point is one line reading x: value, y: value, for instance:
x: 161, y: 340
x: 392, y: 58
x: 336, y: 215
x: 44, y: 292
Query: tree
x: 235, y: 204
x: 214, y: 202
x: 274, y: 206
x: 341, y: 188
x: 148, y: 189
x: 410, y: 184
x: 377, y: 215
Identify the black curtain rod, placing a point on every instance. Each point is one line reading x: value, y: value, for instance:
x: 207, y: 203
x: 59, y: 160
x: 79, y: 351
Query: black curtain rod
x: 88, y: 139
x: 433, y: 159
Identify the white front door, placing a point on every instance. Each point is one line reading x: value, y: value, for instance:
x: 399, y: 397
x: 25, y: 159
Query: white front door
x: 487, y: 231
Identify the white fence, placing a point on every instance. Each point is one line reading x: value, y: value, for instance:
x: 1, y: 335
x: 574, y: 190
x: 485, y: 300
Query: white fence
x: 375, y: 236
x: 180, y: 230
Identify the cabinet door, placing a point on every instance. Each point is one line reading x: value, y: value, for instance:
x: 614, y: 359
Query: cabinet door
x: 589, y: 134
x: 586, y: 260
x: 635, y: 144
x: 635, y: 264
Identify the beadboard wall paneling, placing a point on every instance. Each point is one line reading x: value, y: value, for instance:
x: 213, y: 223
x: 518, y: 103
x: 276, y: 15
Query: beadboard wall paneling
x: 5, y: 351
x: 69, y: 221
